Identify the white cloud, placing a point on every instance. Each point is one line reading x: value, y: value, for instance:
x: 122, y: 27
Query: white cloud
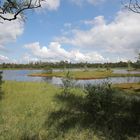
x: 27, y: 58
x: 9, y: 31
x: 3, y: 59
x: 67, y: 25
x: 94, y: 1
x: 50, y: 4
x: 54, y: 52
x: 81, y: 2
x: 96, y: 21
x: 121, y: 36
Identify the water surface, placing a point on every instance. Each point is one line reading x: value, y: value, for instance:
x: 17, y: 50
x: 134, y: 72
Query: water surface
x: 22, y: 75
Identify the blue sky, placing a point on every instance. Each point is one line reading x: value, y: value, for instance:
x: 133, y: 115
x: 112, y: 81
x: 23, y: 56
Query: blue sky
x: 76, y: 31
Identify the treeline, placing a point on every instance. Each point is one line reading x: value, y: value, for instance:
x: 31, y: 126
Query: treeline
x: 66, y: 64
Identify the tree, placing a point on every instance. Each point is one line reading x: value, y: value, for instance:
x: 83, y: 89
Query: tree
x: 129, y: 66
x: 133, y: 5
x: 137, y: 64
x: 138, y: 58
x: 11, y: 9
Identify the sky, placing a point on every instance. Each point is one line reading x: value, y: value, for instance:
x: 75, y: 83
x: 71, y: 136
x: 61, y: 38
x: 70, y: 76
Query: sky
x: 94, y: 31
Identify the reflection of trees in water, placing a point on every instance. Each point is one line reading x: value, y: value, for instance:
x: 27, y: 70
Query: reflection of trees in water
x: 128, y: 79
x: 47, y: 79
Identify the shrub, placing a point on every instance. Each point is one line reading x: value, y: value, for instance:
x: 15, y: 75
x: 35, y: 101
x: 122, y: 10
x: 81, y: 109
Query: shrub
x: 135, y: 110
x: 113, y: 110
x: 67, y: 83
x: 98, y: 98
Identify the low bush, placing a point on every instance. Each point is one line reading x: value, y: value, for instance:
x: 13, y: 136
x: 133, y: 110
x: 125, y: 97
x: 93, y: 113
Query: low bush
x: 67, y: 83
x: 112, y: 110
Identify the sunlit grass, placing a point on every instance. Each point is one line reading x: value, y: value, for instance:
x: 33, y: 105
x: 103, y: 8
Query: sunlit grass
x: 24, y: 111
x: 39, y: 111
x: 24, y: 108
x: 130, y: 88
x: 128, y: 85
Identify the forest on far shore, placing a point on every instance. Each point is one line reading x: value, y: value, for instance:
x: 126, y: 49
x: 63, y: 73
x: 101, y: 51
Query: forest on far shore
x: 66, y: 64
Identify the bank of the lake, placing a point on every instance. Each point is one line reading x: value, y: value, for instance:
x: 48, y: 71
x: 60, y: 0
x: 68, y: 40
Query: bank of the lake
x: 130, y: 87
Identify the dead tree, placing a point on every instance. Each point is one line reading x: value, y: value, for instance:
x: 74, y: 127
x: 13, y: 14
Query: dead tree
x: 133, y: 5
x: 11, y: 9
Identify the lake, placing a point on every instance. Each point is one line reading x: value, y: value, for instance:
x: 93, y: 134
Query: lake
x: 22, y: 75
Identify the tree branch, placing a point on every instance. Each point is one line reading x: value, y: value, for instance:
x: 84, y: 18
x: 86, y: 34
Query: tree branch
x: 17, y: 8
x: 133, y: 5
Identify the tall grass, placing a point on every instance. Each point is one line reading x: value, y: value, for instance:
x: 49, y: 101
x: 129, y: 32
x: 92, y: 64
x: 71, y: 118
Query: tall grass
x: 109, y: 113
x: 1, y: 93
x: 26, y: 111
x: 39, y: 111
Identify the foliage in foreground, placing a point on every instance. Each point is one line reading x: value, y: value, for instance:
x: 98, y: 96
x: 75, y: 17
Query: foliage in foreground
x: 67, y: 83
x: 112, y: 111
x: 105, y: 111
x: 41, y: 112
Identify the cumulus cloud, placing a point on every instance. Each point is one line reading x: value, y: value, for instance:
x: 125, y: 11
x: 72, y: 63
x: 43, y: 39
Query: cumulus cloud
x: 50, y: 4
x: 3, y: 59
x: 54, y: 52
x: 27, y: 58
x: 81, y: 2
x: 121, y: 36
x: 9, y: 31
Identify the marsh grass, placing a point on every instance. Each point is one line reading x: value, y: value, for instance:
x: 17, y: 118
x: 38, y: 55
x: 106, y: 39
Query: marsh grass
x: 39, y: 111
x: 24, y: 108
x: 26, y: 111
x: 103, y: 111
x: 1, y: 92
x: 88, y: 74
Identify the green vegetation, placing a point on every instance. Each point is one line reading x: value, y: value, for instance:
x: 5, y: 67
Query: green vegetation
x: 1, y: 93
x: 130, y: 87
x: 113, y: 111
x: 94, y: 74
x: 67, y: 83
x: 26, y: 113
x: 66, y: 64
x: 25, y: 109
x: 39, y: 111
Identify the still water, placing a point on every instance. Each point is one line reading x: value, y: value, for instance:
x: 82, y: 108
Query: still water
x: 22, y: 75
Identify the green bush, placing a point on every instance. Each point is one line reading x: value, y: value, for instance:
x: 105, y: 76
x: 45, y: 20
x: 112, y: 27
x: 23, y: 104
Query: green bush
x: 67, y: 83
x: 99, y: 98
x: 135, y: 110
x: 112, y: 110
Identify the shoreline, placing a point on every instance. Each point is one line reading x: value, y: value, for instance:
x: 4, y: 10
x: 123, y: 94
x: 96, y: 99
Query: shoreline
x: 100, y: 75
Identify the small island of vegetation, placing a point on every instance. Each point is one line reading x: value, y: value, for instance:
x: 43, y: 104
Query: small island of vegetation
x: 85, y: 75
